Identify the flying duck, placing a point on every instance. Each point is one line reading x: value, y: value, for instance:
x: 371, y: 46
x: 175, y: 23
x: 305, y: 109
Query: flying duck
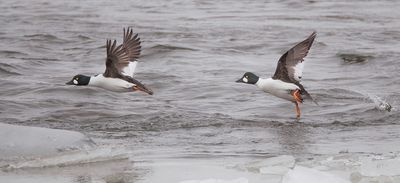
x: 121, y: 63
x: 285, y: 83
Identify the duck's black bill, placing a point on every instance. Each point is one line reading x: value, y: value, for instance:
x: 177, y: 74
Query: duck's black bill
x: 70, y: 83
x: 239, y: 81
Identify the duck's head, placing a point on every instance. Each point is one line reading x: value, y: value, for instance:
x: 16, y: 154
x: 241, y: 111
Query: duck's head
x: 79, y: 80
x: 248, y: 78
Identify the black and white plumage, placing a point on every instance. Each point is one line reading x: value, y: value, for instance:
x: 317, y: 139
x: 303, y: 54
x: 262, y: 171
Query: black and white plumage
x: 285, y: 83
x: 121, y: 63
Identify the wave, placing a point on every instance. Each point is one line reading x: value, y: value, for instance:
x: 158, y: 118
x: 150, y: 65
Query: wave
x: 11, y: 54
x: 41, y: 36
x: 82, y: 37
x: 354, y: 58
x: 339, y: 93
x: 160, y: 50
x: 245, y: 48
x: 40, y: 59
x: 7, y: 69
x: 46, y: 37
x: 170, y: 47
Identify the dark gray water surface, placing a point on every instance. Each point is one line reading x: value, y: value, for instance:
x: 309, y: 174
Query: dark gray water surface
x: 193, y: 51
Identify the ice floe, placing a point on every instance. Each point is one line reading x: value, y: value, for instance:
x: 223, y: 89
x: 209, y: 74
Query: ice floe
x: 23, y: 142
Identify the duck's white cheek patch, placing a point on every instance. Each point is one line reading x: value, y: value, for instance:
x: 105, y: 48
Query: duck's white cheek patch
x: 75, y: 82
x: 245, y: 80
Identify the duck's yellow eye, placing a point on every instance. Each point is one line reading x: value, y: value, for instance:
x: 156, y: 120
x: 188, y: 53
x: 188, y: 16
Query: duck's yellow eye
x: 247, y: 76
x: 76, y: 78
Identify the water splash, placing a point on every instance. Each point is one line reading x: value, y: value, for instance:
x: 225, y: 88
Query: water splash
x: 380, y: 103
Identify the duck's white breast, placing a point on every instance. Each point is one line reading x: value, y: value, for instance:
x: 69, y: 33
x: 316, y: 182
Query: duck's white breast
x: 112, y: 84
x: 277, y: 88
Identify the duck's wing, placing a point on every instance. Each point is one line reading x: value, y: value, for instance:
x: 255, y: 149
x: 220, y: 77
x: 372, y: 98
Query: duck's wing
x: 291, y: 64
x: 131, y: 44
x: 122, y: 60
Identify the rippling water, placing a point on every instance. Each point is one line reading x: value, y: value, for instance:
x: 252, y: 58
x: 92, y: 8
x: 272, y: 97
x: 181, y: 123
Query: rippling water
x: 193, y: 51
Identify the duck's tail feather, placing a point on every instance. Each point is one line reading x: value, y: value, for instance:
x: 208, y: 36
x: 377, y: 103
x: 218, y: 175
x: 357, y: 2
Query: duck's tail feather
x: 308, y: 96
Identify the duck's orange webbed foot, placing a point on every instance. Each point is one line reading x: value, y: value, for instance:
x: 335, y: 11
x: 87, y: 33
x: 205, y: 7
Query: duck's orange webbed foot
x: 297, y: 96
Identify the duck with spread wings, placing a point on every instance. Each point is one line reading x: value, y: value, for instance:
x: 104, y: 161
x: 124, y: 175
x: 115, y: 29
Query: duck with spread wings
x: 285, y: 83
x: 121, y: 63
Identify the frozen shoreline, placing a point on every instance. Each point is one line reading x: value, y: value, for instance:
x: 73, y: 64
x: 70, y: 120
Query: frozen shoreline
x: 65, y: 158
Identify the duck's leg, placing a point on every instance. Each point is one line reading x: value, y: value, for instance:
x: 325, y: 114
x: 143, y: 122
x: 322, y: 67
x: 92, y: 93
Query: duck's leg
x: 297, y: 97
x: 298, y: 112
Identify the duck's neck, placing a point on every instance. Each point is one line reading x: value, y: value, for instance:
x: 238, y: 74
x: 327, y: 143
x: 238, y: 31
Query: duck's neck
x: 262, y: 81
x: 94, y: 79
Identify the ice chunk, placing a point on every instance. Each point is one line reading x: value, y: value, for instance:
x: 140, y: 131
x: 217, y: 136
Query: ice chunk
x: 27, y: 142
x: 239, y: 180
x: 301, y: 174
x: 277, y: 165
